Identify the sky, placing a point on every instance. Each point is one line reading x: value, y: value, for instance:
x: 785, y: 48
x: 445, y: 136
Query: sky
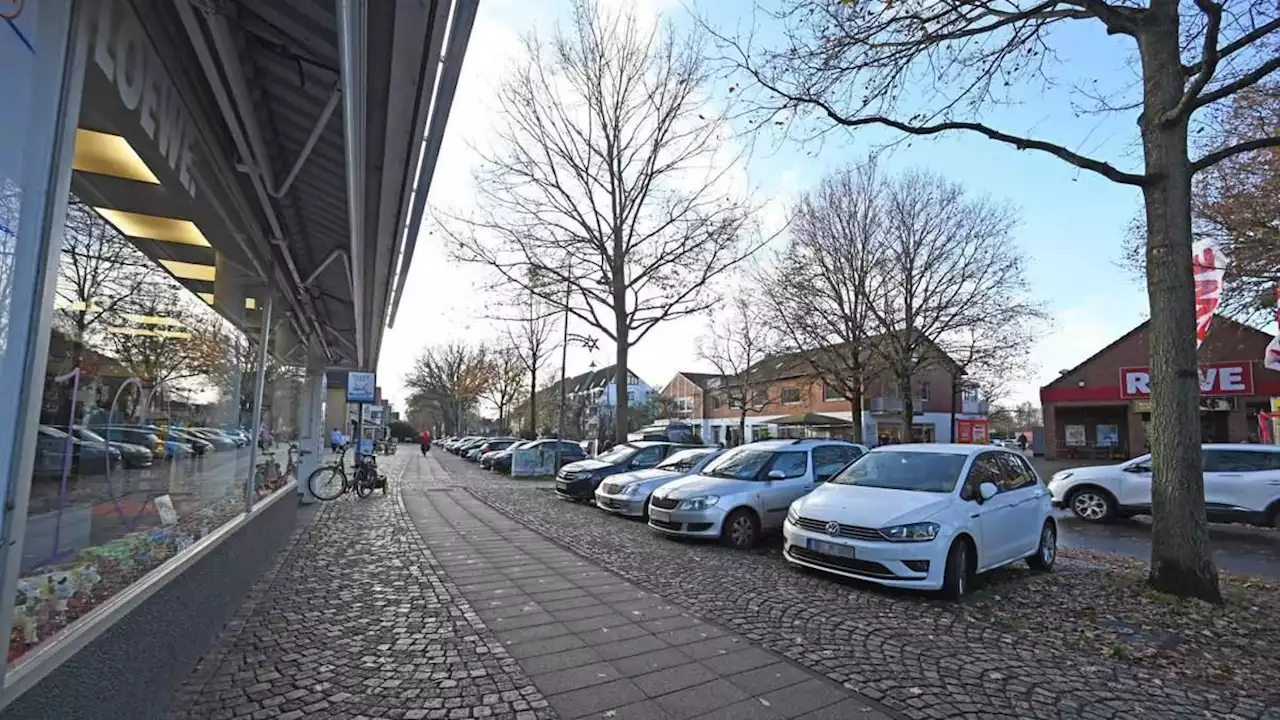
x: 1072, y: 230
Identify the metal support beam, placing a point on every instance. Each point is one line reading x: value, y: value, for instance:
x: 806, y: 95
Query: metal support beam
x: 258, y: 382
x: 351, y: 45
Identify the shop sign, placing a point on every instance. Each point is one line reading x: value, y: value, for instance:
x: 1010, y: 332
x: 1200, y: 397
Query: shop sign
x: 362, y: 387
x: 1216, y: 379
x: 1207, y: 404
x: 122, y: 52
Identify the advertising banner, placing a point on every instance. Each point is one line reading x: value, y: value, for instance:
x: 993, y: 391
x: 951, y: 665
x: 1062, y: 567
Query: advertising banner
x: 533, y: 462
x: 1209, y: 264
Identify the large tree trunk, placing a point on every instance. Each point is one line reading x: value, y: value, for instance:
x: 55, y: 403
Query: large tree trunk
x: 955, y: 400
x: 1181, y: 559
x: 533, y: 402
x: 908, y: 409
x: 742, y: 428
x: 620, y: 385
x: 855, y: 416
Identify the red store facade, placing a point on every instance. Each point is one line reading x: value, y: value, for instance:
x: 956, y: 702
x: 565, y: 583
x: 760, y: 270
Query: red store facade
x: 1100, y: 408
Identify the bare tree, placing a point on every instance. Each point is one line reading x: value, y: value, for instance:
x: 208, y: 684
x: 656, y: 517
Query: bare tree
x: 610, y: 194
x: 817, y: 289
x: 99, y: 275
x: 506, y: 382
x: 944, y: 266
x: 452, y: 378
x: 531, y: 334
x: 738, y: 344
x: 925, y: 68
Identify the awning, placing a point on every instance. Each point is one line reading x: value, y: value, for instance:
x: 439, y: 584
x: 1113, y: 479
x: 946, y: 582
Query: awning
x: 813, y: 419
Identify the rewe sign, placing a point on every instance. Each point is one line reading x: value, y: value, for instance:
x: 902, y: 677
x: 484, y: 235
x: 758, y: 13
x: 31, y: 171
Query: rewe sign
x: 1217, y: 379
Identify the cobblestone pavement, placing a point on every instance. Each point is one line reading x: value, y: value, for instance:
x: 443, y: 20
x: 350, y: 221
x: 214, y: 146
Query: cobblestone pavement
x: 597, y: 646
x: 919, y: 656
x: 357, y: 620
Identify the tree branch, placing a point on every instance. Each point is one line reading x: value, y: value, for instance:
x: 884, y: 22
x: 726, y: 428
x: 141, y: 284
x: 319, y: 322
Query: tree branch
x: 1214, y: 158
x: 1257, y: 75
x: 1208, y: 64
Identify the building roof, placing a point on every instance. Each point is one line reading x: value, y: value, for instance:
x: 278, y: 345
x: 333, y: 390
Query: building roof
x: 699, y: 379
x: 591, y: 380
x: 1218, y: 321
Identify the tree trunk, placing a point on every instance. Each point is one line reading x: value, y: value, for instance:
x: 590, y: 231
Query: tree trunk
x: 908, y: 409
x: 533, y: 401
x: 1181, y: 559
x: 855, y: 415
x: 620, y: 385
x: 955, y: 399
x: 742, y: 427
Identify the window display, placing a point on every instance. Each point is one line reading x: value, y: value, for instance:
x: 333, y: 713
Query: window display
x: 145, y: 426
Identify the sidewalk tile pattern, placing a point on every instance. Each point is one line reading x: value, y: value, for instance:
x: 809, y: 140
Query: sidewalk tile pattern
x: 597, y: 646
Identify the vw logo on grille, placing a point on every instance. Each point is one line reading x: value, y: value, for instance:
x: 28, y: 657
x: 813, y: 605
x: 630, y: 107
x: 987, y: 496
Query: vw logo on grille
x: 833, y: 528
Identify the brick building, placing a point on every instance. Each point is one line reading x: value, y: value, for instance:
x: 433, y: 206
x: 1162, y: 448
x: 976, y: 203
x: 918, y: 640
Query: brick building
x: 1100, y: 408
x: 797, y: 391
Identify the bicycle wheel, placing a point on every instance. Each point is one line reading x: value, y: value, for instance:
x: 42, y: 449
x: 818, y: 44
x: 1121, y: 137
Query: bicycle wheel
x: 364, y: 488
x: 328, y: 482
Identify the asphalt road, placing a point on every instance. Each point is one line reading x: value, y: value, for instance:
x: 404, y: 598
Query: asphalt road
x: 1236, y: 548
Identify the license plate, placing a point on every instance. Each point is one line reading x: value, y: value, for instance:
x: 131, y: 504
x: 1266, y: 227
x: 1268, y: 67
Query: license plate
x: 834, y: 549
x: 660, y: 515
x: 562, y: 485
x: 607, y: 502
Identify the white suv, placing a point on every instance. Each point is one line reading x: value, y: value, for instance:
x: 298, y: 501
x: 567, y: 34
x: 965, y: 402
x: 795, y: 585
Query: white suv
x: 1241, y: 484
x: 927, y: 516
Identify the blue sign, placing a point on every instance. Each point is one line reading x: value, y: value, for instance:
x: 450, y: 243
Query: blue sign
x: 362, y: 387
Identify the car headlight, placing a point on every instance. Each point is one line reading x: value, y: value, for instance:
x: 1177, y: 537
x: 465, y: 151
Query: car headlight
x: 628, y: 490
x: 914, y: 532
x: 1063, y: 475
x: 702, y: 502
x: 793, y: 516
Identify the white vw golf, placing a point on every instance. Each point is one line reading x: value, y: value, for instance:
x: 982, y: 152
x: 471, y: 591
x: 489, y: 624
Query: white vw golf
x: 926, y: 516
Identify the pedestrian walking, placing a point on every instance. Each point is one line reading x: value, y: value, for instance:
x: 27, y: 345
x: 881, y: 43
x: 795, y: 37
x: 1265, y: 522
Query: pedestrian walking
x: 335, y: 440
x: 426, y: 442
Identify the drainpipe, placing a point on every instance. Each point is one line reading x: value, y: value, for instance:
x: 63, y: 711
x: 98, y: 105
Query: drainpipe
x: 351, y: 18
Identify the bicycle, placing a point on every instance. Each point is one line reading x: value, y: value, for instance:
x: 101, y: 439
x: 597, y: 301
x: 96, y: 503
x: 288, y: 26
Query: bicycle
x: 268, y: 476
x: 329, y: 482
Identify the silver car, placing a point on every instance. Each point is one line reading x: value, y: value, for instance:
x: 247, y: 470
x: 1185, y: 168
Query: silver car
x: 628, y: 493
x: 748, y: 489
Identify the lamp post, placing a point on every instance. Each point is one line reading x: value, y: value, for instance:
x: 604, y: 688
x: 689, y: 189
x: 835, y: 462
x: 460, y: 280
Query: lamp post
x: 585, y: 341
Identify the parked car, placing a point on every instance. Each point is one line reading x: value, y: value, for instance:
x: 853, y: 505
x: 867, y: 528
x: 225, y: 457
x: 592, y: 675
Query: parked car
x: 493, y: 447
x: 927, y: 516
x: 86, y: 458
x: 1241, y: 484
x: 628, y: 493
x: 480, y: 448
x: 460, y: 448
x: 131, y: 455
x: 747, y: 490
x: 219, y: 441
x: 579, y: 480
x: 138, y: 436
x: 570, y: 452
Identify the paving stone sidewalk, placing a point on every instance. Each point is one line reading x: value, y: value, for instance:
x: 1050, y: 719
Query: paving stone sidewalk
x: 597, y: 646
x: 358, y: 620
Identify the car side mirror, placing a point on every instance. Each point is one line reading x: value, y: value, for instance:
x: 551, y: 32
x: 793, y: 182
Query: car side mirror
x: 776, y: 475
x: 987, y: 490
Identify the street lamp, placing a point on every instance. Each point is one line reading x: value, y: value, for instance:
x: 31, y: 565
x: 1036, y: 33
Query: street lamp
x: 585, y: 341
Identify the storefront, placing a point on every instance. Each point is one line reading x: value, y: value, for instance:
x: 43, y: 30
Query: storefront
x: 1100, y: 409
x: 205, y: 206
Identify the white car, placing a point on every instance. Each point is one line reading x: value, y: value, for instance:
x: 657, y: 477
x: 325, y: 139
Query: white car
x: 1241, y: 484
x: 927, y: 516
x: 628, y: 493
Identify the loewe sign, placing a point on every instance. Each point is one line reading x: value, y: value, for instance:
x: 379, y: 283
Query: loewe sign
x: 123, y: 53
x: 1216, y: 379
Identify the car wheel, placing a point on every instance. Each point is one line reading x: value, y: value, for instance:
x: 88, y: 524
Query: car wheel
x: 959, y: 573
x: 1092, y: 505
x: 741, y: 529
x: 1047, y: 551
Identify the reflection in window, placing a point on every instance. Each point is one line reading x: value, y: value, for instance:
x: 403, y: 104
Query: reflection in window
x: 144, y: 438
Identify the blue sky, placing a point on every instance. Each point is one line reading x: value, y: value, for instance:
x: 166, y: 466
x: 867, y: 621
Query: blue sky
x: 1073, y: 222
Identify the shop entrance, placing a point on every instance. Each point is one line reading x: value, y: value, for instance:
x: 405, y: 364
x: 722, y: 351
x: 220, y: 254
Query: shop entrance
x: 1213, y: 426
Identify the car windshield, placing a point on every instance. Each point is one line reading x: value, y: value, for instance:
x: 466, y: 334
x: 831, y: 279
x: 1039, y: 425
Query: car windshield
x: 683, y: 460
x: 919, y: 471
x: 618, y: 454
x: 741, y: 464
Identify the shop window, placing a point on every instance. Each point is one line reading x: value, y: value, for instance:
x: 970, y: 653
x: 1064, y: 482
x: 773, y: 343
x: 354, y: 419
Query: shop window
x: 146, y: 423
x: 790, y: 396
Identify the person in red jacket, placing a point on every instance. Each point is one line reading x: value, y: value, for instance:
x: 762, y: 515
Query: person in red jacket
x: 426, y: 442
